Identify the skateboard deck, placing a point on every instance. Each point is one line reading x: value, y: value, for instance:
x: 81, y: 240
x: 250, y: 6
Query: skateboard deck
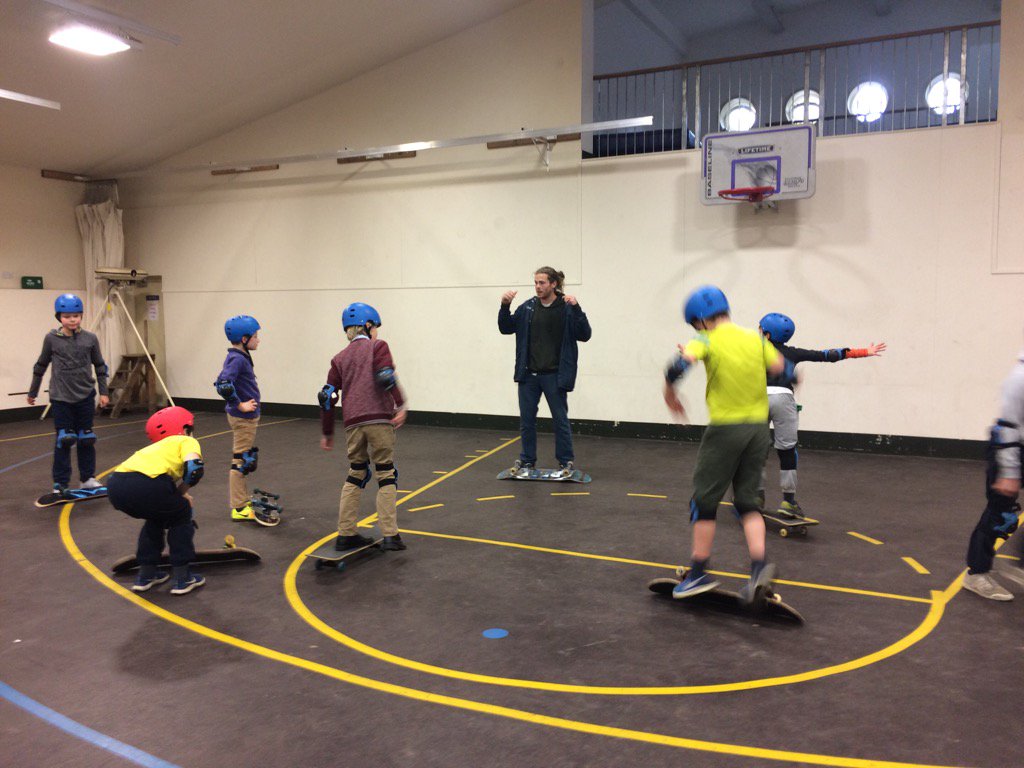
x: 203, y: 557
x: 788, y: 525
x: 327, y: 556
x: 547, y: 475
x: 731, y: 602
x: 71, y: 494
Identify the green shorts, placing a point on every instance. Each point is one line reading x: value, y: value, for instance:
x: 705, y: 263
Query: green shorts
x: 730, y: 454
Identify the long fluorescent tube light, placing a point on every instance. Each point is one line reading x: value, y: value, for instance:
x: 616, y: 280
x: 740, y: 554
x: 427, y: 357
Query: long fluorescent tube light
x: 26, y: 99
x: 95, y: 42
x: 111, y: 20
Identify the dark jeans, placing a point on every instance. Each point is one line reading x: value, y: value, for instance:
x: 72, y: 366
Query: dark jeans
x: 982, y: 547
x: 73, y: 417
x: 558, y: 402
x: 157, y: 501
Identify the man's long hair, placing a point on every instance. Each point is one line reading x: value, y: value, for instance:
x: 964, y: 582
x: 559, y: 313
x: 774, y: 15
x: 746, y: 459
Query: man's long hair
x: 554, y: 276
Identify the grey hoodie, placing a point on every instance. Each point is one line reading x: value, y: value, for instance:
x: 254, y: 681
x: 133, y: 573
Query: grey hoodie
x: 71, y: 380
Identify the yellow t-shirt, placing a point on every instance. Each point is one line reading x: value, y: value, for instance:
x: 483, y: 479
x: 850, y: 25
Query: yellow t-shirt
x: 735, y: 359
x: 166, y: 457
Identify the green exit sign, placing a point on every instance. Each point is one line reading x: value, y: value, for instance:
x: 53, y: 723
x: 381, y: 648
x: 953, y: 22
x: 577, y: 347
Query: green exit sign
x: 32, y: 282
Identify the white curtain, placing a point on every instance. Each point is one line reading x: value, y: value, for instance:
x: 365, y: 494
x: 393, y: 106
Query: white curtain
x: 102, y: 246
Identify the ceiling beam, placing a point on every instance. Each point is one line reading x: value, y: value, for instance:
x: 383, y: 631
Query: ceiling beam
x: 659, y: 24
x: 766, y: 13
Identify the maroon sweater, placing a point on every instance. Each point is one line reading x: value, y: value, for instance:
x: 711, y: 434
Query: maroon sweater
x: 362, y: 400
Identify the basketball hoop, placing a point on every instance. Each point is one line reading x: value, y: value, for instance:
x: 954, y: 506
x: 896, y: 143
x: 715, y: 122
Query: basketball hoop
x: 748, y: 194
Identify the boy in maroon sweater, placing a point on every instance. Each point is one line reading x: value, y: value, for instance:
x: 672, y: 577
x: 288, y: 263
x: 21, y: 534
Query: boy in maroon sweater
x: 362, y: 379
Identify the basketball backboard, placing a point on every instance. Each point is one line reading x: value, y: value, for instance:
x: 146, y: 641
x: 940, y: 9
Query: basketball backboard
x: 780, y: 158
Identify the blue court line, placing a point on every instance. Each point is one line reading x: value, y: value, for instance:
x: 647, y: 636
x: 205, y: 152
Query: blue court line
x: 80, y: 731
x: 50, y: 453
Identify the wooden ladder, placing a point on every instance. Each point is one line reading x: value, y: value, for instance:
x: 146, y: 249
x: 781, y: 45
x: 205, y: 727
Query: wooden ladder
x: 130, y: 385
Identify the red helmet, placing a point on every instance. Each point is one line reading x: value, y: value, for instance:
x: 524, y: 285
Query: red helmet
x: 168, y: 421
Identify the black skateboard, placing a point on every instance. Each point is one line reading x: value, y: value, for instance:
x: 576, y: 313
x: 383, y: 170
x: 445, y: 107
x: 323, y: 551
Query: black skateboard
x: 203, y: 557
x: 726, y: 600
x: 788, y: 524
x: 327, y: 556
x: 547, y: 475
x: 71, y: 494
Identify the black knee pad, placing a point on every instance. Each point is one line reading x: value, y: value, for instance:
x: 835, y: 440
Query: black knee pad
x: 787, y: 458
x: 697, y: 514
x: 381, y: 469
x: 363, y: 466
x: 250, y: 461
x: 1001, y: 520
x: 86, y: 437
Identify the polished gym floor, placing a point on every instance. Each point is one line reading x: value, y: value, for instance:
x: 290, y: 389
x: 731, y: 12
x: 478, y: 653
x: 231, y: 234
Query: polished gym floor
x: 517, y: 628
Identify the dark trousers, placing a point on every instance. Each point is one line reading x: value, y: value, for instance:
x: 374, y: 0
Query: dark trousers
x: 157, y: 501
x: 558, y: 402
x: 73, y: 417
x: 982, y: 547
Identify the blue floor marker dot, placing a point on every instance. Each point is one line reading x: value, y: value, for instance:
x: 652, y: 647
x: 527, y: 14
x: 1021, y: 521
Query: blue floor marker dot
x: 495, y: 634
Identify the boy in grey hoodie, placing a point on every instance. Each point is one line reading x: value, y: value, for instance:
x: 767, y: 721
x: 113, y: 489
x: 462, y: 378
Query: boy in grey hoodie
x: 72, y: 352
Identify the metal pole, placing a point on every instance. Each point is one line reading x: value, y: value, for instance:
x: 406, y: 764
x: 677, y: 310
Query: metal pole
x: 945, y: 75
x: 963, y: 73
x: 139, y: 337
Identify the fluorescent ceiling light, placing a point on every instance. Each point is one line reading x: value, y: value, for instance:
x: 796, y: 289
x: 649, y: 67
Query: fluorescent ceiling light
x: 26, y: 99
x: 95, y: 42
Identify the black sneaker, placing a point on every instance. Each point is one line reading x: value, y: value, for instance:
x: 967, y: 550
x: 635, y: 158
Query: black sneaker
x: 393, y: 543
x: 351, y: 542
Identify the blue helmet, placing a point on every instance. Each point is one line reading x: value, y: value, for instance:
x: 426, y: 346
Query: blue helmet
x: 68, y: 303
x: 780, y: 327
x: 359, y: 314
x: 240, y: 326
x: 707, y: 301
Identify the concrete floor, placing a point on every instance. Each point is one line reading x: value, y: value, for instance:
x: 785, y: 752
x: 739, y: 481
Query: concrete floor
x: 386, y: 663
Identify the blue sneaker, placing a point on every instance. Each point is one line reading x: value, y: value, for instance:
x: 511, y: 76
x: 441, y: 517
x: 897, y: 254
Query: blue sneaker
x: 691, y: 586
x: 144, y: 583
x: 187, y: 584
x: 755, y: 590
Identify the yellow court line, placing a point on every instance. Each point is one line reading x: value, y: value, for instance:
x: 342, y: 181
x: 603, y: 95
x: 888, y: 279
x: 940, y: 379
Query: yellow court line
x: 494, y: 498
x: 533, y: 718
x: 50, y: 434
x: 420, y: 509
x: 647, y: 495
x: 571, y: 493
x: 440, y: 471
x: 261, y: 426
x: 401, y: 491
x: 916, y: 566
x: 467, y: 704
x: 861, y: 536
x: 1008, y: 557
x: 936, y: 606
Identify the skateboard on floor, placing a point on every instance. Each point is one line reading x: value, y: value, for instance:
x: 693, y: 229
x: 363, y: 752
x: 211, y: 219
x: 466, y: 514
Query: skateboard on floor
x: 771, y: 607
x: 229, y: 553
x: 547, y: 475
x: 788, y: 524
x: 264, y: 504
x: 71, y: 494
x: 327, y: 556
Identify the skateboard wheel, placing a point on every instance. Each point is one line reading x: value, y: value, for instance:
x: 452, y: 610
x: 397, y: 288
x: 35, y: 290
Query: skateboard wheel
x: 229, y: 541
x: 783, y: 532
x: 803, y: 530
x: 341, y: 565
x: 319, y: 565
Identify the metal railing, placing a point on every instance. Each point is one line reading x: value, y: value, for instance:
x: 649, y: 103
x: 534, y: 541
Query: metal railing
x: 691, y: 100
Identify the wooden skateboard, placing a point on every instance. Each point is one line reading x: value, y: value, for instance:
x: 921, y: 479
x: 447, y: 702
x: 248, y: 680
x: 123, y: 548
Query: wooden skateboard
x: 71, y: 494
x: 731, y: 602
x: 788, y: 525
x: 547, y: 475
x: 327, y: 556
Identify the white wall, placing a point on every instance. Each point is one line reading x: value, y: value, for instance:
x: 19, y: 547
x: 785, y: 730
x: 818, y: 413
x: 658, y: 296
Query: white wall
x: 38, y: 236
x: 897, y: 245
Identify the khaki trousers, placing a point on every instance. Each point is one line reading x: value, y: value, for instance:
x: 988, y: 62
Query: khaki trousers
x: 366, y: 443
x: 243, y: 438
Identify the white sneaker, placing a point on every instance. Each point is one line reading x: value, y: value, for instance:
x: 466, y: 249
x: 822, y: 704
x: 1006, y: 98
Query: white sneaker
x: 1012, y: 573
x: 983, y: 584
x: 91, y: 483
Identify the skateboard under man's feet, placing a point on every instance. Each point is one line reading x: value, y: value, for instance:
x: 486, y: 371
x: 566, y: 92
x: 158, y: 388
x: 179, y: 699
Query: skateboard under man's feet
x: 226, y: 554
x: 547, y: 475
